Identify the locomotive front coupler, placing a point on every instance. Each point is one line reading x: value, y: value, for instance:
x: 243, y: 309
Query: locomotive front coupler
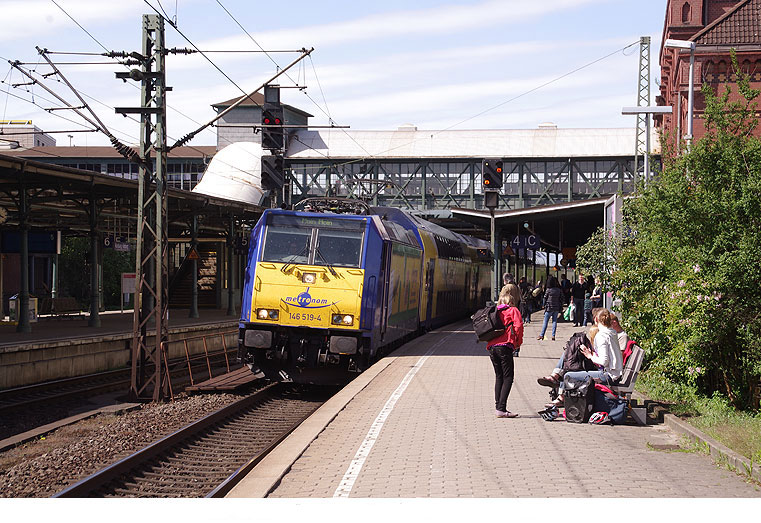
x: 302, y: 358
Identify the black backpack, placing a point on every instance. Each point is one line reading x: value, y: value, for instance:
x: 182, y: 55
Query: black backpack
x: 574, y: 360
x: 579, y: 399
x: 487, y: 323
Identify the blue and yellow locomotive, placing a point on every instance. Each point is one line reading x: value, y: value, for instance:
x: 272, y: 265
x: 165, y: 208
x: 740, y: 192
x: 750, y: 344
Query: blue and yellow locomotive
x: 328, y: 292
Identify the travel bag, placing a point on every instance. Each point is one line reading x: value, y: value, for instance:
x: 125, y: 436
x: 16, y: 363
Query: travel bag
x: 579, y: 399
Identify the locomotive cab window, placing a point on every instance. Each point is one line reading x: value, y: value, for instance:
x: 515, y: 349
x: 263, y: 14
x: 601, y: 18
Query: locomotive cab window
x: 286, y: 245
x: 338, y: 248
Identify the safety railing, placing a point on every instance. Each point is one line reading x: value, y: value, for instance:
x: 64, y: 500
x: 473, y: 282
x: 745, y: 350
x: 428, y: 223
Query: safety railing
x: 206, y: 360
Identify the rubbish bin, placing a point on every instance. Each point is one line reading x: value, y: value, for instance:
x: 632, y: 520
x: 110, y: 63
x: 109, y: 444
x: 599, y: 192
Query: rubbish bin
x: 14, y: 305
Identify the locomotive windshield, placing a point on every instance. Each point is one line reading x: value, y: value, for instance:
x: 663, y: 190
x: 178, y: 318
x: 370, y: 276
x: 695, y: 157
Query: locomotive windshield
x: 338, y: 248
x: 327, y: 242
x: 286, y: 245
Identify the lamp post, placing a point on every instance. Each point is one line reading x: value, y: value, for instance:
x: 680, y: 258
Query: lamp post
x: 686, y: 44
x: 647, y: 110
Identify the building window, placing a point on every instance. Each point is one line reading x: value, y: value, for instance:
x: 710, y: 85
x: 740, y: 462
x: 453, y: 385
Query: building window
x: 686, y: 12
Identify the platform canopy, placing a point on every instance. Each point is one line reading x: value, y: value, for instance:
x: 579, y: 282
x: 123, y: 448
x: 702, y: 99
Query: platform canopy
x: 58, y: 198
x: 560, y: 225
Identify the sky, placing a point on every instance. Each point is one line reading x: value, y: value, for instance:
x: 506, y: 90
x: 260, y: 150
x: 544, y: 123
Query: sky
x: 436, y: 64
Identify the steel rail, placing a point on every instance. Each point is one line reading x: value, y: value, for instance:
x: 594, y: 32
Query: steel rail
x: 227, y: 485
x: 94, y: 482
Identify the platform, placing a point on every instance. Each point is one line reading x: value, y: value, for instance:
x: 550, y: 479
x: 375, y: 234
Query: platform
x: 420, y: 423
x: 64, y: 348
x: 111, y: 323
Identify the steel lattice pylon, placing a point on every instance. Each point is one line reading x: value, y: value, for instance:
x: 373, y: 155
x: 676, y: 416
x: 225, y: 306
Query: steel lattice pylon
x: 643, y: 99
x: 149, y: 381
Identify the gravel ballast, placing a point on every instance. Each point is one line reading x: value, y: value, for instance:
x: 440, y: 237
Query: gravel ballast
x: 46, y: 466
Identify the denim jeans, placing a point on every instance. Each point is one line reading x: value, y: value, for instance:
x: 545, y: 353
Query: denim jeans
x: 547, y: 316
x: 601, y: 375
x: 504, y: 371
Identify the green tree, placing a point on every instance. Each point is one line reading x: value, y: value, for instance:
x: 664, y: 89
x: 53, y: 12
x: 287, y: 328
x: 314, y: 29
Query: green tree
x: 688, y: 275
x: 75, y: 272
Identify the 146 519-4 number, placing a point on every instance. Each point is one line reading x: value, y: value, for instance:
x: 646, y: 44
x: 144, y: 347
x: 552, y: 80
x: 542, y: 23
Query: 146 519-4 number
x: 304, y: 316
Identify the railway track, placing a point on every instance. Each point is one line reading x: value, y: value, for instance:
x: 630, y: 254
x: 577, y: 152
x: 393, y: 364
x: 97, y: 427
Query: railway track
x: 208, y: 457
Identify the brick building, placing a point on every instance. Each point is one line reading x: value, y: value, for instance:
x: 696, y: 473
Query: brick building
x: 715, y: 26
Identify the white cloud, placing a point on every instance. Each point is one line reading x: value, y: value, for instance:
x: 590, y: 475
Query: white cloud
x: 36, y: 17
x: 438, y: 20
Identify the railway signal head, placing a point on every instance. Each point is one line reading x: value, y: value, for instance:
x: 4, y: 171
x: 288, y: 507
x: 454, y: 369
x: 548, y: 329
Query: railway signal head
x: 272, y: 135
x: 273, y: 175
x: 491, y: 174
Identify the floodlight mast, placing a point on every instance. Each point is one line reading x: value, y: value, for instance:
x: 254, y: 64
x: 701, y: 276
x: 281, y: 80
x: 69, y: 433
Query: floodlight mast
x: 647, y: 111
x: 687, y: 44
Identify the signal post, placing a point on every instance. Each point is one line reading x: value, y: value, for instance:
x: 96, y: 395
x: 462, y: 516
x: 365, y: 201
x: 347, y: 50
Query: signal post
x: 491, y: 182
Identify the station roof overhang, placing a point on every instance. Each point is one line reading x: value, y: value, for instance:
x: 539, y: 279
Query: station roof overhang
x: 58, y: 197
x: 558, y: 225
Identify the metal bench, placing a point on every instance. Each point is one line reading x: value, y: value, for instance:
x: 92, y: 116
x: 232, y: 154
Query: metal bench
x: 66, y: 307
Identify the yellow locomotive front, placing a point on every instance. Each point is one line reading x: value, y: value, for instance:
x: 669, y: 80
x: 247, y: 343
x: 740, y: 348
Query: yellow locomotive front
x: 302, y: 308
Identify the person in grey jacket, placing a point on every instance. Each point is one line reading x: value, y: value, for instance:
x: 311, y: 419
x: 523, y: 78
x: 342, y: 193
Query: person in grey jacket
x: 553, y: 304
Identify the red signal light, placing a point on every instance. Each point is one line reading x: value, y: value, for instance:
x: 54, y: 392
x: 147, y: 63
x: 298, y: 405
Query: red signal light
x: 277, y: 121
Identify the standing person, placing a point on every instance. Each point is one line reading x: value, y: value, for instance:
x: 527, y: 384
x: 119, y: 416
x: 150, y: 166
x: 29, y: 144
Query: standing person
x: 597, y: 295
x: 565, y: 286
x: 588, y: 309
x: 577, y: 294
x: 526, y: 299
x: 553, y: 304
x: 501, y: 352
x: 514, y: 291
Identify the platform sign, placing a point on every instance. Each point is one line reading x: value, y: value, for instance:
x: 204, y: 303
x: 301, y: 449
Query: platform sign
x: 121, y: 244
x: 532, y: 242
x: 128, y: 286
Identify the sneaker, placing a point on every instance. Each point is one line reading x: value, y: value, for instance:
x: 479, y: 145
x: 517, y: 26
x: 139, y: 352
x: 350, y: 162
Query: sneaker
x: 540, y: 338
x: 506, y: 414
x: 553, y: 338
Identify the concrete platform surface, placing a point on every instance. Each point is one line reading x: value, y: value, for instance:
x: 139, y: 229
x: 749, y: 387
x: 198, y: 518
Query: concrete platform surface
x: 420, y: 423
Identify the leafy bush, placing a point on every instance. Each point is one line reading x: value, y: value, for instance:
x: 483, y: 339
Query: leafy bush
x: 75, y: 272
x: 687, y: 269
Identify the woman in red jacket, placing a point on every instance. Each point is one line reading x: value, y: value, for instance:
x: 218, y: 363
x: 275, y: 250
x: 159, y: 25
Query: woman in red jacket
x: 501, y: 351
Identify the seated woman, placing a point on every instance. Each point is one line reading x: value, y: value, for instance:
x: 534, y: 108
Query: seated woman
x: 606, y: 355
x: 572, y: 359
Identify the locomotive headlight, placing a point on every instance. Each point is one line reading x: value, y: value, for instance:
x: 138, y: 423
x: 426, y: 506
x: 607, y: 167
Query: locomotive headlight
x: 343, y: 319
x: 309, y: 277
x: 267, y: 314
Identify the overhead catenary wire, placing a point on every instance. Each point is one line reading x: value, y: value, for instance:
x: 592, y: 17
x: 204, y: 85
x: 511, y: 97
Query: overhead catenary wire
x: 196, y: 149
x: 330, y: 120
x: 108, y: 51
x: 481, y: 113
